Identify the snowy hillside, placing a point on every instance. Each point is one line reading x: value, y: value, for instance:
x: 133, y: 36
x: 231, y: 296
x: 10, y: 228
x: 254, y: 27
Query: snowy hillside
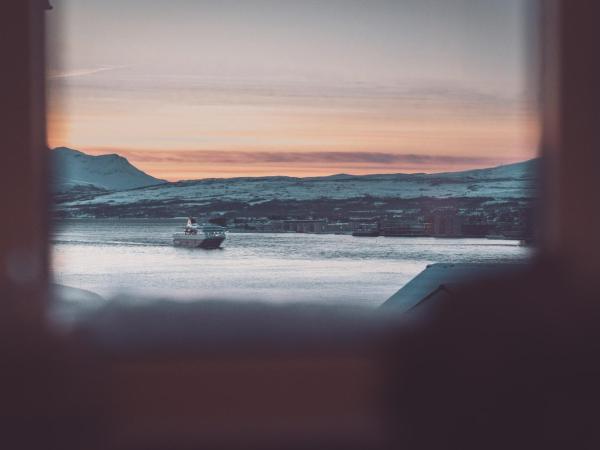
x: 522, y: 170
x: 515, y: 181
x: 74, y: 170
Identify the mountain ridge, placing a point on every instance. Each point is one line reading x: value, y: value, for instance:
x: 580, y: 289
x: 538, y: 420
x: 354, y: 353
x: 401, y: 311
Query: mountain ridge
x: 74, y: 169
x: 472, y: 173
x: 342, y: 176
x: 504, y: 183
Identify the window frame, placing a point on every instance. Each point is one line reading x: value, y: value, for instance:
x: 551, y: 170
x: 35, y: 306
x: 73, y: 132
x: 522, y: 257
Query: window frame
x: 568, y: 230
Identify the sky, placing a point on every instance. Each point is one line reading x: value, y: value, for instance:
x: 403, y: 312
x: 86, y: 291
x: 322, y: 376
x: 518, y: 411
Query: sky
x: 189, y: 89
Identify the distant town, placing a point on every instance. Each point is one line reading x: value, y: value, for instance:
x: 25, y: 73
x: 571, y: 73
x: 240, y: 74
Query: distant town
x: 508, y: 220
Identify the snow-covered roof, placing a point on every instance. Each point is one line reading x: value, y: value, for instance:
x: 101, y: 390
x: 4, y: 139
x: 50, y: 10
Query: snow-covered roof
x: 440, y: 280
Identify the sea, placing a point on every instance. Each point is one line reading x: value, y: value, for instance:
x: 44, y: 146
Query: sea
x: 118, y: 258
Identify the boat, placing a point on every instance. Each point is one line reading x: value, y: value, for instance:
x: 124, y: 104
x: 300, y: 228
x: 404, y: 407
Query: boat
x: 499, y: 237
x: 366, y: 230
x: 207, y: 236
x: 527, y: 242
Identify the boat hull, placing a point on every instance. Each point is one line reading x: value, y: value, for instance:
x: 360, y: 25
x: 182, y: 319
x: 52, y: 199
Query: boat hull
x: 373, y: 233
x: 198, y: 242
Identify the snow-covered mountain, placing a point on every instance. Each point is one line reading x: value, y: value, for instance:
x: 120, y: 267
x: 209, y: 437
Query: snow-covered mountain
x: 522, y: 170
x: 74, y: 170
x: 513, y: 181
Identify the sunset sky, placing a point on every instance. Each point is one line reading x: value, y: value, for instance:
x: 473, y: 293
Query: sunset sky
x: 193, y: 89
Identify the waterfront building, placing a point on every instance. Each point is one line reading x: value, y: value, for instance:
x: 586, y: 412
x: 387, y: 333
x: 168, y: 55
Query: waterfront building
x: 405, y: 228
x: 447, y: 223
x: 305, y: 225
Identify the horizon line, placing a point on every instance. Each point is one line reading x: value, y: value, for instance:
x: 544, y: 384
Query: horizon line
x: 332, y: 174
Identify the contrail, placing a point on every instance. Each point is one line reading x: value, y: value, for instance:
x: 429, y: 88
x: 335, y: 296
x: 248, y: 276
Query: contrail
x: 83, y: 72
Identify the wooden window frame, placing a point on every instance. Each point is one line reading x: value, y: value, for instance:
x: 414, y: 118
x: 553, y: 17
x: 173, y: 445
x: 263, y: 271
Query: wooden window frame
x: 342, y: 382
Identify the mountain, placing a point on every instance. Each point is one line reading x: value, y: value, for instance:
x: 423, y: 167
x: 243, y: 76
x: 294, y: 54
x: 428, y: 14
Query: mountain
x: 75, y: 170
x: 520, y: 170
x: 512, y: 182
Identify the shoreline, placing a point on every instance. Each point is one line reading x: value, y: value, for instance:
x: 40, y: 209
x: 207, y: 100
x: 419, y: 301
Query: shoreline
x: 57, y: 223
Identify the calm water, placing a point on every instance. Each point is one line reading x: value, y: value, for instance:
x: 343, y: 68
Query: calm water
x: 112, y: 257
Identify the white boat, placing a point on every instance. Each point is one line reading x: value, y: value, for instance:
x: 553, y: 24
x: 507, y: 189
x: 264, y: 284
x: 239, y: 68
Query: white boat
x: 207, y: 236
